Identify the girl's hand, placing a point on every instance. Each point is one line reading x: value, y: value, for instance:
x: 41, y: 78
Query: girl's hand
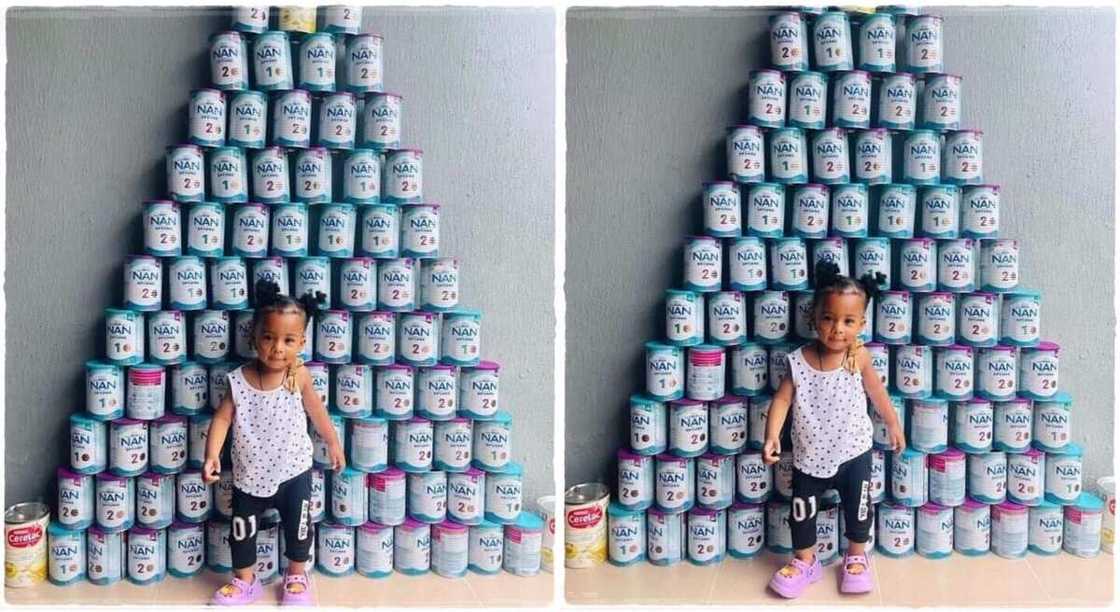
x: 771, y: 451
x: 337, y: 457
x: 211, y: 469
x: 898, y: 439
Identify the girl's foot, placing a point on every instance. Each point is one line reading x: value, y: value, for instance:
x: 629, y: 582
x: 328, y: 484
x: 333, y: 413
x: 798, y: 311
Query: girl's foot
x: 237, y: 593
x: 297, y: 591
x: 792, y: 580
x: 854, y: 577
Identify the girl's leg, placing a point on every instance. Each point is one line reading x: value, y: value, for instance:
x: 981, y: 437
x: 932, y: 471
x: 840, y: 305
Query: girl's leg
x: 294, y: 504
x: 244, y: 588
x: 803, y: 514
x: 854, y: 484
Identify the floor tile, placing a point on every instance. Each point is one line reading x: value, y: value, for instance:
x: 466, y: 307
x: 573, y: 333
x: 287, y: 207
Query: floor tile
x: 959, y: 580
x: 643, y: 583
x: 1070, y: 580
x: 508, y: 590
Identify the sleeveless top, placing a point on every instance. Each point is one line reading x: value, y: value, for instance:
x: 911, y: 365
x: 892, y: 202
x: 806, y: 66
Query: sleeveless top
x: 270, y: 439
x: 830, y: 420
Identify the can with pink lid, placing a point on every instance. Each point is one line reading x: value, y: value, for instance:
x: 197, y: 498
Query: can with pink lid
x: 947, y: 478
x: 722, y: 209
x: 810, y: 204
x: 436, y: 392
x: 956, y: 269
x: 727, y: 318
x: 754, y: 480
x: 955, y: 371
x: 830, y: 156
x: 997, y: 372
x: 936, y: 318
x: 897, y: 100
x: 978, y: 319
x: 980, y: 211
x: 941, y: 102
x: 972, y: 528
x: 706, y: 373
x: 381, y: 121
x: 789, y: 41
x: 1038, y: 371
x: 1010, y: 530
x: 999, y: 265
x: 394, y: 392
x: 851, y: 99
x: 1012, y: 425
x: 635, y: 480
x: 715, y: 481
x: 453, y: 444
x: 767, y: 98
x: 745, y: 158
x: 963, y: 158
x: 1026, y: 477
x: 478, y: 390
x: 466, y: 496
x: 727, y: 424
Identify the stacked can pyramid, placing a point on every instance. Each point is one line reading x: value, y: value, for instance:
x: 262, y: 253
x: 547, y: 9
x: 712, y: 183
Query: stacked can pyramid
x: 294, y: 173
x: 861, y: 161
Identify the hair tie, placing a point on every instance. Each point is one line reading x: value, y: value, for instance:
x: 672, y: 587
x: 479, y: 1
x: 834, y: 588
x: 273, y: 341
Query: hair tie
x: 311, y: 302
x: 873, y: 283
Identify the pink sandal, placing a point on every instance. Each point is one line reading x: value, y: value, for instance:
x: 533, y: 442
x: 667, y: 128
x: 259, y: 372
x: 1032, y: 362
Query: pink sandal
x: 302, y: 598
x: 793, y: 586
x: 851, y: 582
x: 237, y: 593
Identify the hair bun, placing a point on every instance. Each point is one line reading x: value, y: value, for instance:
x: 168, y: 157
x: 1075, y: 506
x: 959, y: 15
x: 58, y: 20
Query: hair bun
x: 873, y: 283
x: 266, y: 292
x: 825, y: 273
x: 313, y: 302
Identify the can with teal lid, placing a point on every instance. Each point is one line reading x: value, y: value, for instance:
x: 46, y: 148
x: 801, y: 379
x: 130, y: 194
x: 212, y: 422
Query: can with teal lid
x: 439, y: 284
x: 361, y: 177
x: 336, y: 549
x: 909, y: 478
x: 229, y: 61
x: 402, y: 176
x: 722, y: 209
x: 1025, y: 476
x: 379, y: 231
x: 788, y: 153
x: 396, y: 284
x: 105, y: 390
x: 933, y: 537
x: 185, y: 549
x: 895, y: 536
x: 1038, y: 371
x: 880, y: 435
x: 491, y: 448
x: 626, y: 535
x: 727, y: 424
x: 972, y: 425
x: 947, y: 478
x: 648, y: 426
x: 486, y: 547
x: 963, y: 157
x: 665, y: 537
x: 115, y: 503
x: 143, y: 283
x: 877, y: 43
x: 437, y: 393
x: 978, y: 319
x: 105, y: 555
x: 316, y: 62
x: 312, y: 175
x: 832, y: 42
x: 1051, y: 423
x: 749, y: 369
x: 522, y: 545
x: 228, y: 175
x: 205, y: 227
x: 272, y: 61
x: 684, y: 317
x: 897, y: 102
x: 929, y: 425
x: 363, y: 63
x: 75, y: 499
x: 503, y: 493
x: 1081, y: 535
x: 387, y: 496
x: 999, y: 265
x: 789, y: 259
x: 789, y: 41
x: 746, y: 259
x: 980, y: 211
x: 940, y: 211
x: 1021, y: 318
x: 248, y: 120
x: 665, y: 371
x: 1046, y: 526
x: 450, y: 549
x: 207, y: 118
x: 807, y: 103
x: 896, y: 210
x: 1012, y: 425
x: 767, y: 98
x: 155, y: 500
x: 168, y: 442
x: 1063, y: 475
x: 420, y: 230
x: 809, y: 212
x: 461, y: 342
x: 921, y: 158
x: 66, y: 554
x: 972, y: 528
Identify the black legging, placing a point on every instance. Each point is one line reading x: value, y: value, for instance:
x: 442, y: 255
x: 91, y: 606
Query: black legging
x: 293, y: 500
x: 853, y: 480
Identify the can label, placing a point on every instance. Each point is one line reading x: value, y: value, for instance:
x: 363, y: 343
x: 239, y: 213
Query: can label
x: 626, y: 538
x: 897, y: 101
x: 937, y: 320
x: 478, y: 392
x: 66, y: 557
x: 880, y: 436
x: 852, y: 101
x: 1010, y: 532
x: 376, y: 338
x: 1063, y: 478
x: 1051, y: 424
x: 250, y: 19
x: 348, y: 497
x: 647, y: 427
x: 485, y: 552
x: 998, y: 374
x: 206, y: 230
x: 673, y: 489
x: 128, y: 448
x: 162, y: 228
x: 105, y: 556
x: 1082, y: 532
x: 369, y: 444
x: 727, y: 317
x: 354, y: 390
x: 1020, y: 320
x: 987, y: 477
x: 1025, y: 478
x: 896, y: 531
x: 491, y: 444
x: 767, y: 99
x: 115, y: 504
x: 830, y: 156
x: 427, y: 496
x: 635, y: 482
x: 1038, y: 373
x: 466, y: 497
x: 934, y: 536
x: 453, y: 443
x: 387, y: 499
x: 143, y: 279
x: 980, y: 211
x: 361, y: 177
x: 978, y: 320
x: 229, y: 64
x: 771, y: 316
x: 746, y: 528
x: 193, y: 498
x: 336, y: 549
x: 744, y: 154
x: 317, y: 62
x: 921, y: 158
x: 229, y: 283
x: 382, y: 125
x: 702, y: 264
x: 972, y: 529
x: 946, y: 480
x: 790, y: 264
x: 379, y: 231
x: 897, y: 211
x: 211, y: 338
x: 155, y: 501
x: 956, y: 270
x: 940, y: 210
x: 913, y: 371
x: 728, y: 424
x: 749, y: 368
x: 705, y: 376
x: 207, y: 124
x: 909, y: 479
x: 320, y: 456
x: 187, y: 283
x: 461, y: 341
x: 357, y: 279
x: 272, y: 61
x: 394, y: 393
x: 878, y: 478
x: 414, y: 445
x: 1045, y: 531
x: 754, y: 480
x: 941, y: 102
x: 872, y: 256
x: 923, y: 44
x: 929, y: 426
x: 963, y: 158
x: 364, y: 63
x: 395, y: 289
x: 721, y: 206
x: 75, y: 501
x: 872, y: 155
x: 789, y: 44
x: 312, y: 173
x: 876, y: 43
x: 747, y: 264
x: 665, y: 372
x: 954, y: 372
x: 218, y: 556
x: 374, y: 552
x: 402, y: 176
x: 332, y: 337
x: 437, y: 393
x: 167, y: 343
x: 185, y: 174
x: 337, y: 121
x: 104, y: 391
x: 665, y: 538
x: 806, y: 101
x: 503, y: 497
x: 223, y: 495
x: 247, y: 127
x: 420, y: 231
x: 715, y: 481
x: 810, y: 211
x: 169, y: 445
x: 832, y: 41
x: 707, y: 537
x: 788, y: 156
x: 336, y: 230
x: 999, y: 265
x: 270, y: 176
x: 892, y: 322
x: 418, y: 343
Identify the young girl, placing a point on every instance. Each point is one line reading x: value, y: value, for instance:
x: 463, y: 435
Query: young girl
x: 268, y: 404
x: 829, y: 382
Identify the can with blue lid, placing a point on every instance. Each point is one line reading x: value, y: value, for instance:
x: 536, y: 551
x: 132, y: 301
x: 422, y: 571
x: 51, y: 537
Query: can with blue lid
x: 105, y: 390
x: 1046, y: 526
x: 492, y: 442
x: 272, y: 61
x: 877, y: 43
x: 807, y: 104
x: 1063, y: 475
x: 665, y: 537
x: 1051, y: 423
x: 972, y: 528
x: 896, y: 210
x: 316, y: 62
x: 788, y: 153
x: 503, y: 494
x: 167, y: 341
x: 909, y: 478
x: 521, y: 555
x: 1081, y: 534
x: 361, y: 177
x: 664, y: 371
x: 999, y: 265
x: 363, y: 64
x: 105, y: 555
x: 626, y: 535
x: 980, y: 211
x: 143, y: 283
x: 248, y: 120
x: 684, y: 317
x: 228, y: 177
x: 206, y: 229
x: 402, y: 176
x: 648, y: 426
x: 1021, y: 318
x: 229, y: 61
x: 832, y: 42
x: 746, y: 259
x: 76, y: 498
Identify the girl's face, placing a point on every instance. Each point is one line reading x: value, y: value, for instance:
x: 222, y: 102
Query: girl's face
x: 839, y: 319
x: 279, y: 339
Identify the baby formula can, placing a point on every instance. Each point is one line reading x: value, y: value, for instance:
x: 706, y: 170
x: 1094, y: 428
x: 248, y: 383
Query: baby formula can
x: 193, y: 499
x: 779, y: 367
x: 273, y: 270
x: 955, y: 372
x: 1038, y: 371
x: 361, y: 181
x: 379, y: 231
x: 147, y: 555
x: 929, y: 425
x: 746, y: 258
x: 635, y: 480
x: 522, y: 545
x: 333, y: 333
x: 832, y: 250
x: 478, y: 390
x: 465, y: 496
x: 393, y: 397
x: 880, y: 435
x: 253, y: 19
x: 880, y: 360
x: 684, y: 317
x: 626, y: 535
x: 921, y: 158
x: 104, y: 390
x: 248, y: 119
x: 115, y: 504
x: 963, y: 158
x: 789, y: 41
x: 999, y: 265
x: 198, y: 427
x: 648, y: 424
x: 851, y: 100
x: 66, y: 555
x: 229, y: 61
x: 453, y: 441
x: 1010, y: 530
x: 987, y: 477
x: 229, y: 283
x: 374, y: 550
x: 767, y: 98
x: 316, y: 65
x: 832, y: 41
x: 162, y: 228
x: 1020, y: 318
x: 364, y: 63
x: 917, y: 266
x: 381, y: 122
x: 947, y: 478
x: 349, y: 502
x: 336, y: 229
x: 783, y: 475
x: 788, y: 154
x: 353, y: 391
x: 897, y: 101
x: 167, y: 339
x: 749, y: 369
x: 427, y: 496
x: 491, y: 448
x: 320, y: 379
x: 249, y: 230
x: 104, y: 556
x: 665, y: 537
x: 941, y: 102
x: 937, y: 319
x: 924, y: 51
x: 186, y: 177
x: 186, y: 279
x: 896, y: 530
x: 872, y: 256
x: 75, y: 499
x: 664, y: 371
x: 830, y: 156
x: 934, y: 534
x: 128, y: 447
x: 503, y: 494
x: 1051, y: 423
x: 143, y: 280
x: 978, y: 323
x: 754, y: 479
x: 311, y: 175
x: 402, y: 176
x: 460, y: 342
x: 485, y: 552
x: 707, y: 536
x: 272, y: 61
x: 1025, y: 477
x: 707, y: 366
x: 185, y: 549
x: 913, y: 371
x: 940, y: 206
x: 1063, y: 475
x: 336, y: 549
x: 727, y: 423
x: 1081, y: 534
x: 585, y: 534
x: 674, y: 488
x: 877, y: 485
x: 376, y: 338
x: 1012, y: 425
x: 892, y: 320
x: 715, y: 481
x: 956, y: 269
x: 387, y: 496
x: 810, y: 210
x: 223, y: 494
x: 722, y: 210
x: 877, y: 43
x: 207, y: 112
x: 778, y: 539
x: 871, y: 154
x: 436, y: 394
x: 420, y: 230
x: 206, y: 223
x: 909, y: 478
x: 369, y: 444
x: 396, y: 284
x: 342, y: 19
x: 746, y: 525
x: 439, y: 284
x: 850, y: 211
x: 745, y: 157
x: 980, y: 211
x: 897, y: 210
x: 1046, y: 526
x: 702, y: 263
x: 270, y: 176
x: 789, y: 258
x: 413, y: 444
x: 449, y: 549
x: 155, y: 500
x: 218, y: 555
x: 972, y: 528
x: 210, y: 333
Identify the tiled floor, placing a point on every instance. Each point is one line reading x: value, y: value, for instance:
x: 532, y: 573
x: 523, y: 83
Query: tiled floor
x: 502, y: 590
x: 914, y: 581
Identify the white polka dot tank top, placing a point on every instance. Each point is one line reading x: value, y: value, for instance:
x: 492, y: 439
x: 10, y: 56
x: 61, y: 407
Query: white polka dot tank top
x: 830, y: 420
x: 270, y: 439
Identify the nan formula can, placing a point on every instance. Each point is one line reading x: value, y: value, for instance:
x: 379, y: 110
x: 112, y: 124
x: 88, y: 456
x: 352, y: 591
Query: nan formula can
x: 674, y: 488
x: 746, y: 527
x: 272, y: 61
x: 972, y: 528
x: 478, y: 390
x: 1010, y: 530
x: 896, y: 210
x: 66, y: 555
x: 896, y: 526
x: 749, y: 369
x: 987, y: 477
x: 980, y: 211
x: 115, y: 506
x: 665, y: 537
x: 1051, y: 423
x: 921, y: 158
x: 635, y: 480
x: 155, y: 500
x: 924, y: 45
x: 1038, y: 371
x: 767, y: 98
x: 1020, y: 319
x: 648, y: 426
x: 486, y: 546
x: 947, y: 478
x: 715, y: 481
x: 105, y: 390
x: 105, y: 556
x: 664, y: 371
x: 186, y: 174
x: 361, y: 177
x: 522, y: 546
x: 147, y: 555
x: 381, y: 122
x: 387, y: 496
x: 745, y: 157
x: 997, y: 372
x: 754, y: 479
x: 830, y: 155
x: 955, y: 372
x: 933, y: 537
x: 374, y: 550
x: 185, y: 549
x: 75, y: 499
x: 707, y: 536
x: 466, y: 496
x: 379, y: 231
x: 789, y: 41
x: 316, y: 63
x: 1025, y: 477
x: 229, y: 61
x: 364, y: 70
x: 439, y: 284
x: 851, y: 100
x: 1012, y: 431
x: 1081, y: 536
x: 1046, y: 526
x: 722, y: 209
x: 162, y: 228
x: 978, y: 319
x: 788, y: 154
x: 727, y: 424
x: 706, y: 374
x: 832, y: 42
x: 336, y: 549
x: 1063, y: 475
x: 941, y: 102
x: 248, y: 120
x: 877, y: 43
x: 450, y: 549
x: 503, y: 494
x: 491, y: 448
x: 143, y: 283
x: 626, y: 535
x: 897, y: 102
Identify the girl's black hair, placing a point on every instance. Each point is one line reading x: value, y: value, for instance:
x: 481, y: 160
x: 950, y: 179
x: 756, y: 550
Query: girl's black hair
x: 829, y: 280
x: 269, y: 299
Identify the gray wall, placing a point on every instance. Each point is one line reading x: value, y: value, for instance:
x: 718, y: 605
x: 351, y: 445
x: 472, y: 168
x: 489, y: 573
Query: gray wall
x: 649, y: 95
x: 94, y: 96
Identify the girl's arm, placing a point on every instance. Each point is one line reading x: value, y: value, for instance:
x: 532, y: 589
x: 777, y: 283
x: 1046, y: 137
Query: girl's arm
x: 873, y: 385
x: 776, y: 418
x: 215, y: 438
x: 320, y: 420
